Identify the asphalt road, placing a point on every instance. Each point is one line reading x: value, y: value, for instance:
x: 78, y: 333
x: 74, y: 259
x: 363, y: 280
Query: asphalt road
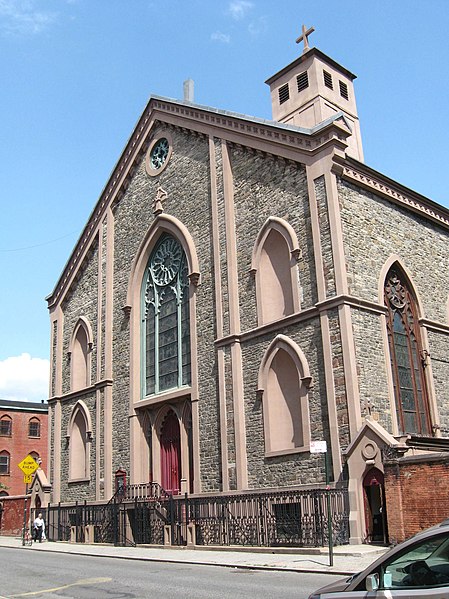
x: 34, y: 574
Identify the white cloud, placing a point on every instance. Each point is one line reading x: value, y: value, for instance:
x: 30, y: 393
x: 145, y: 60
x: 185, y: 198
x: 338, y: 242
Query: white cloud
x: 220, y: 37
x: 258, y: 27
x: 239, y: 8
x: 23, y: 378
x: 21, y: 16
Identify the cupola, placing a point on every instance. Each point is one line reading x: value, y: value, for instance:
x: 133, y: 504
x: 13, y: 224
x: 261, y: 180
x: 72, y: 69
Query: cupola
x: 314, y: 88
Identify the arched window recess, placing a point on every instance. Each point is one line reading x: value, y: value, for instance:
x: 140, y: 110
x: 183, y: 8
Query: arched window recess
x: 79, y: 439
x: 283, y: 386
x: 407, y: 355
x: 274, y: 265
x: 165, y: 310
x: 79, y: 354
x: 80, y: 408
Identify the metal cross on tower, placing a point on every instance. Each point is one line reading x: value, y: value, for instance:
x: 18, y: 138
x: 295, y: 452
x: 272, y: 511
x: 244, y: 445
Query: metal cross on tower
x: 305, y: 33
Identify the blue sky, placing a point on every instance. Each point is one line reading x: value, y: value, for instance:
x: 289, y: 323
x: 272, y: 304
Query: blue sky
x: 76, y: 75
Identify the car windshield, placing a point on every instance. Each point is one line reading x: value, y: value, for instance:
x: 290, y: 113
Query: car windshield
x: 425, y: 564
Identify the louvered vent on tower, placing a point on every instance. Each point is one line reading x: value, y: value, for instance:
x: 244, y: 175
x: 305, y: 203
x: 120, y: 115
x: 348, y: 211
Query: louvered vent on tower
x: 284, y: 93
x: 302, y: 80
x: 328, y: 80
x: 344, y: 90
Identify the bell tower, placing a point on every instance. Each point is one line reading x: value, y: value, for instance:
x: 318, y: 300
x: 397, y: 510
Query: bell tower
x: 314, y: 88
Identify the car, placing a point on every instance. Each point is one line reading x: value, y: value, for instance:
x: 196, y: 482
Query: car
x: 418, y: 567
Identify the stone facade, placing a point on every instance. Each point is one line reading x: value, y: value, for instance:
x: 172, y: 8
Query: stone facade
x: 229, y: 182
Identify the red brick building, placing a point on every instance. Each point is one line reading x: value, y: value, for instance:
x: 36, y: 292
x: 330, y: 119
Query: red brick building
x: 23, y: 431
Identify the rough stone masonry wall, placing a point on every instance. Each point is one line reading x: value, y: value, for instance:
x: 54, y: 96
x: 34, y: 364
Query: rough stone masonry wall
x: 81, y: 300
x: 77, y: 491
x: 373, y: 230
x: 294, y: 469
x: 265, y: 187
x: 407, y: 484
x: 186, y: 180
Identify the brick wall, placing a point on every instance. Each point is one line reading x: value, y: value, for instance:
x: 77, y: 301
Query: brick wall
x: 12, y: 515
x: 19, y: 445
x: 407, y: 484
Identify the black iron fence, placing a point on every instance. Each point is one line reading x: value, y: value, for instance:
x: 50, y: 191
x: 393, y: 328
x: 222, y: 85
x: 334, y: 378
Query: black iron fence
x: 151, y: 516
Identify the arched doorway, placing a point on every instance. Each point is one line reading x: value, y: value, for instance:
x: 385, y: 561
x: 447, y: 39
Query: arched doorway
x: 171, y: 453
x: 375, y: 507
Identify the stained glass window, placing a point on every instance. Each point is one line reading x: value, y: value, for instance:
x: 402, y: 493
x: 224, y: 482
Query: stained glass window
x: 165, y: 319
x: 405, y: 354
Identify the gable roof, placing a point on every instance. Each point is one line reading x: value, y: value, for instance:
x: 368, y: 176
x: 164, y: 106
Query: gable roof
x: 23, y: 406
x: 287, y: 141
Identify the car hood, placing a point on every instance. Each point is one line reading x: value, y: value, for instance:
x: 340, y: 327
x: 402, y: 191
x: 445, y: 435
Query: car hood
x: 337, y: 586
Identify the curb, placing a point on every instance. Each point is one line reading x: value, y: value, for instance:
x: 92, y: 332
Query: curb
x: 273, y: 568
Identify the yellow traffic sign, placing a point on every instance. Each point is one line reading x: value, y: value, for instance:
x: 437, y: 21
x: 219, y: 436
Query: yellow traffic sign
x: 28, y: 466
x: 27, y: 478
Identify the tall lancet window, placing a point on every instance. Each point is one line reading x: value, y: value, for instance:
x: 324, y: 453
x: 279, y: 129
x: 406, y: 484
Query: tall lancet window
x: 406, y: 356
x: 165, y: 319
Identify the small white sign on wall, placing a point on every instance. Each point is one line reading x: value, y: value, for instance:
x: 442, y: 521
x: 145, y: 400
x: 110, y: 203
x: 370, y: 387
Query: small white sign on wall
x: 318, y: 447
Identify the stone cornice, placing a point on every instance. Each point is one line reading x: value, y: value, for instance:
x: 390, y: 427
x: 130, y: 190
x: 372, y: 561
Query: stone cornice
x: 305, y: 140
x: 82, y: 392
x: 330, y: 303
x: 371, y: 180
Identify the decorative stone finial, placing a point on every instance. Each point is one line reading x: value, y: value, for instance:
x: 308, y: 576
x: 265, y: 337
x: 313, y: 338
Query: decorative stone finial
x: 161, y: 195
x: 305, y: 33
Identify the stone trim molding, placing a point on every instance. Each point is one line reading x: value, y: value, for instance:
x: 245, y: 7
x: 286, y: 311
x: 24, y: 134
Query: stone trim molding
x: 81, y: 392
x: 379, y: 184
x: 314, y: 312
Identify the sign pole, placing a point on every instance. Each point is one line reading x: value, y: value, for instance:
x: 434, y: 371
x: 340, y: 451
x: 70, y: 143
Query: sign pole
x: 28, y: 466
x: 321, y: 447
x: 329, y: 511
x: 25, y: 514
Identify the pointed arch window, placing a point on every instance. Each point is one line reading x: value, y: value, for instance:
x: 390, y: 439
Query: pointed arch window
x: 80, y: 355
x: 165, y: 319
x: 5, y: 426
x: 275, y: 266
x: 34, y: 427
x: 412, y: 408
x: 284, y: 381
x: 80, y: 437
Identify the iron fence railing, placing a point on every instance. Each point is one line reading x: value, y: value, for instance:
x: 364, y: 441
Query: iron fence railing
x: 146, y: 514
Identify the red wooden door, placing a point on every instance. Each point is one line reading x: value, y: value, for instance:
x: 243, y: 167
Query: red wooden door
x: 171, y: 454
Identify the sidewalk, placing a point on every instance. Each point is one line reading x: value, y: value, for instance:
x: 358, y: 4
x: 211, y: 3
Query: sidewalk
x: 348, y: 559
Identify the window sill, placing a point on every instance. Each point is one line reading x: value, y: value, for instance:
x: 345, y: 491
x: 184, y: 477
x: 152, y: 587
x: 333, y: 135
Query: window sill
x: 74, y: 481
x: 293, y: 450
x: 178, y: 393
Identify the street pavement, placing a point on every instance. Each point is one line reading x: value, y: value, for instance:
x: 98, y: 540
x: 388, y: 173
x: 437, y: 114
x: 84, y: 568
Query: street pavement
x: 347, y: 559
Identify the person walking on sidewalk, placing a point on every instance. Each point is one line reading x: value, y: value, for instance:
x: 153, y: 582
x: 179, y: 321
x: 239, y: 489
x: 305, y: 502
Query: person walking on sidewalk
x: 38, y: 528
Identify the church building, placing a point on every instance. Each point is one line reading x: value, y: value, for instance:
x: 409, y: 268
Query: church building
x: 243, y: 291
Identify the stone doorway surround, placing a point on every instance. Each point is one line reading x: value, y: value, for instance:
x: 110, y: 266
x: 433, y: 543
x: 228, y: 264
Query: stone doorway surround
x: 363, y: 454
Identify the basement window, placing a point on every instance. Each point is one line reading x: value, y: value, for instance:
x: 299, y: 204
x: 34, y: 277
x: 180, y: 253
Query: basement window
x: 344, y: 90
x: 284, y: 94
x: 303, y: 81
x: 328, y: 80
